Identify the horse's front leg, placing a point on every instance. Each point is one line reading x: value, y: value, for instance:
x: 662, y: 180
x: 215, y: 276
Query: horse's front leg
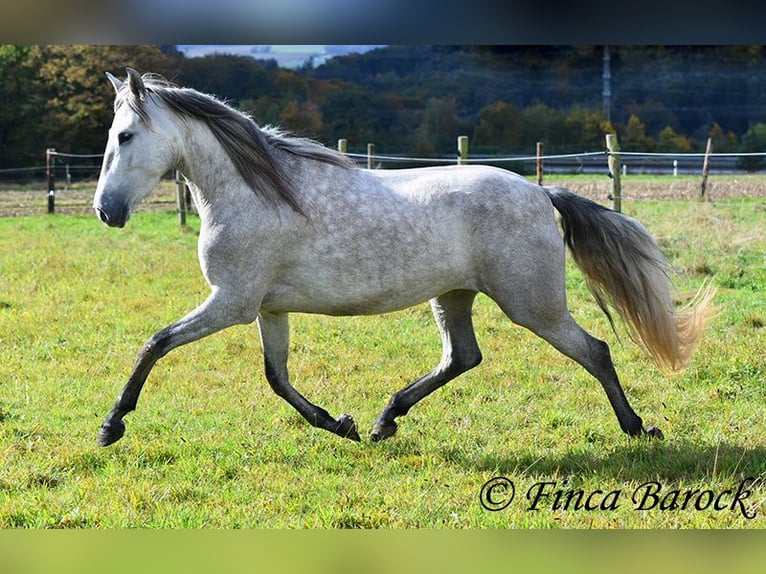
x: 275, y: 336
x: 460, y: 352
x: 213, y: 315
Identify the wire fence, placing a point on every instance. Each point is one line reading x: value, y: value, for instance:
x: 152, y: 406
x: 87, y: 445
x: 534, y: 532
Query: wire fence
x: 553, y: 161
x: 588, y: 162
x: 75, y: 174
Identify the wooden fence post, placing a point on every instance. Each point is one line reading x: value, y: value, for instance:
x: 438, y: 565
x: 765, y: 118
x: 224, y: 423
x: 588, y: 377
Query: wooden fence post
x: 539, y: 163
x: 181, y: 199
x: 343, y: 145
x: 706, y: 167
x: 462, y: 150
x: 613, y: 161
x: 370, y: 154
x: 49, y: 172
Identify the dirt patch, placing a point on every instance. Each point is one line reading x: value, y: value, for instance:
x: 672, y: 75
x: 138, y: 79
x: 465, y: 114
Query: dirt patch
x: 669, y: 188
x: 77, y: 202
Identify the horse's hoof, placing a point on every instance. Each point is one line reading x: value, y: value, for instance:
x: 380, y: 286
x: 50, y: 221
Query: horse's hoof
x: 347, y: 428
x: 382, y: 431
x: 111, y: 432
x: 653, y: 432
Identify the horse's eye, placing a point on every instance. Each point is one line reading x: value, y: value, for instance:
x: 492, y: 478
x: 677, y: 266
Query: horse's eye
x: 124, y: 137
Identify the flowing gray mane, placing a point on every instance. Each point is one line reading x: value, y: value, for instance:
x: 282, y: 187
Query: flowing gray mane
x: 254, y: 150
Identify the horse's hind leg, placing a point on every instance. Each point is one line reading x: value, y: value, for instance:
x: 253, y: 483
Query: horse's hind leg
x: 542, y: 309
x: 275, y: 336
x: 460, y: 352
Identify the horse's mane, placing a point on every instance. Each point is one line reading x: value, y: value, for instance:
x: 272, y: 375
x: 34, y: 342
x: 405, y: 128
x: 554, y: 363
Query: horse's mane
x: 254, y: 150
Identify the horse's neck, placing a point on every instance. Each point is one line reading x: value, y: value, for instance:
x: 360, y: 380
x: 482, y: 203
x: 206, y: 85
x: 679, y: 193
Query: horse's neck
x: 213, y: 178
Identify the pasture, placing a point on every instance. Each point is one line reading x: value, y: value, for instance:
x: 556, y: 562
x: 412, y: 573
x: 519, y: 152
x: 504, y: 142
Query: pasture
x: 210, y: 445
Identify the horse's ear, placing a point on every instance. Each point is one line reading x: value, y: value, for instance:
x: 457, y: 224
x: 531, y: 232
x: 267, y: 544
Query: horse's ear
x: 116, y: 82
x: 136, y: 84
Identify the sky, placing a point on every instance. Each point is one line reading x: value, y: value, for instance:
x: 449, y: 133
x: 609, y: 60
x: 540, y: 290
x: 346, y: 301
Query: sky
x: 287, y: 56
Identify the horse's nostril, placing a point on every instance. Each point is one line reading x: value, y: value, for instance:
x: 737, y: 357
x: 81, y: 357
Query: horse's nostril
x: 113, y: 218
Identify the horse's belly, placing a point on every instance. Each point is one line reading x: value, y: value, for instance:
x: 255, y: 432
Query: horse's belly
x: 354, y: 293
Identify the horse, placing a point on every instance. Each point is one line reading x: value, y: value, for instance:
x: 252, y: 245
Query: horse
x: 289, y: 225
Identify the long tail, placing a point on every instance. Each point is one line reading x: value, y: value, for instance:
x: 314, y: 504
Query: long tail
x: 625, y: 268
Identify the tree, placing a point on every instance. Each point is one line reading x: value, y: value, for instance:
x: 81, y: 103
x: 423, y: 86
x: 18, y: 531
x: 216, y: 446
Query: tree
x: 499, y: 128
x: 671, y: 142
x: 233, y: 78
x: 635, y: 138
x: 722, y: 143
x: 304, y: 119
x: 655, y: 115
x: 439, y: 128
x: 544, y: 124
x: 585, y: 129
x: 77, y: 94
x: 753, y: 141
x: 21, y: 108
x: 348, y: 114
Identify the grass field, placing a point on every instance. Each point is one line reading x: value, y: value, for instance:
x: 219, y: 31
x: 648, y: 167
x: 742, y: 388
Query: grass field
x: 211, y: 446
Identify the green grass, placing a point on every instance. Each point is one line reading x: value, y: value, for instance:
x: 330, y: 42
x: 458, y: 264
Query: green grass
x: 211, y: 446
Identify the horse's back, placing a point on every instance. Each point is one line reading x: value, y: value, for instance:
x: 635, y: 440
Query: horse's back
x: 504, y: 223
x: 389, y: 239
x: 426, y: 183
x: 488, y: 203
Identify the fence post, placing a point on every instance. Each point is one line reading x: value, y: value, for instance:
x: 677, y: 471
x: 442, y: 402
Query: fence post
x: 706, y: 166
x: 539, y: 163
x: 613, y: 161
x: 462, y: 150
x: 370, y: 154
x: 181, y: 199
x: 49, y: 172
x: 343, y: 145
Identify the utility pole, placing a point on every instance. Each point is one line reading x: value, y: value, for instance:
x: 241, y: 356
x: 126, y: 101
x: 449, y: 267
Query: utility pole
x: 607, y: 91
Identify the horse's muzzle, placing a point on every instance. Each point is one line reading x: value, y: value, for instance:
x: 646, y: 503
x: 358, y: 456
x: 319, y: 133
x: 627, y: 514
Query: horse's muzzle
x: 114, y: 219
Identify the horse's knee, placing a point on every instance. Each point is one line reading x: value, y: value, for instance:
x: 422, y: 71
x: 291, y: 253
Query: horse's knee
x: 158, y: 345
x: 460, y: 362
x: 473, y: 359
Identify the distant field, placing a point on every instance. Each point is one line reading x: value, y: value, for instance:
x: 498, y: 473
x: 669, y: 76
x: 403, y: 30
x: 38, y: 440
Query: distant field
x: 211, y: 446
x: 30, y: 199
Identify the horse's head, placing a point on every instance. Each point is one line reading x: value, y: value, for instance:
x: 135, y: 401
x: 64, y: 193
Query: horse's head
x: 142, y: 147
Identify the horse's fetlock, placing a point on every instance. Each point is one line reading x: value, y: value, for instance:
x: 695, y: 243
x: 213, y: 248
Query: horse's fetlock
x: 634, y: 430
x: 383, y: 430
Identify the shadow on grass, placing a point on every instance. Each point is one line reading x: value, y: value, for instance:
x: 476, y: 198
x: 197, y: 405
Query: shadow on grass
x: 637, y: 460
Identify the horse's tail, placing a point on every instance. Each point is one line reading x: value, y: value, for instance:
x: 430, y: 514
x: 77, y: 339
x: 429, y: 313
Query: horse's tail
x: 624, y: 267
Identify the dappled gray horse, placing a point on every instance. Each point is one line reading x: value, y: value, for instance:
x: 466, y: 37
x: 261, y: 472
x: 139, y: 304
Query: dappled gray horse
x: 289, y: 225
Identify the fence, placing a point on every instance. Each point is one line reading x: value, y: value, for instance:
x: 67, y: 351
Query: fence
x: 611, y: 161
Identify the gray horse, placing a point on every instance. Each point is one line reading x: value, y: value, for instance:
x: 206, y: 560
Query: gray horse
x: 289, y: 225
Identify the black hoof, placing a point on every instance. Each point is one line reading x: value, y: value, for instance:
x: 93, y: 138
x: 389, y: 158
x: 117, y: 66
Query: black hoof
x: 347, y: 428
x: 382, y: 431
x: 653, y: 432
x: 111, y: 432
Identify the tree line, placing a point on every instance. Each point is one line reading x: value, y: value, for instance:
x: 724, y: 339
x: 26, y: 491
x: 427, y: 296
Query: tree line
x: 413, y: 100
